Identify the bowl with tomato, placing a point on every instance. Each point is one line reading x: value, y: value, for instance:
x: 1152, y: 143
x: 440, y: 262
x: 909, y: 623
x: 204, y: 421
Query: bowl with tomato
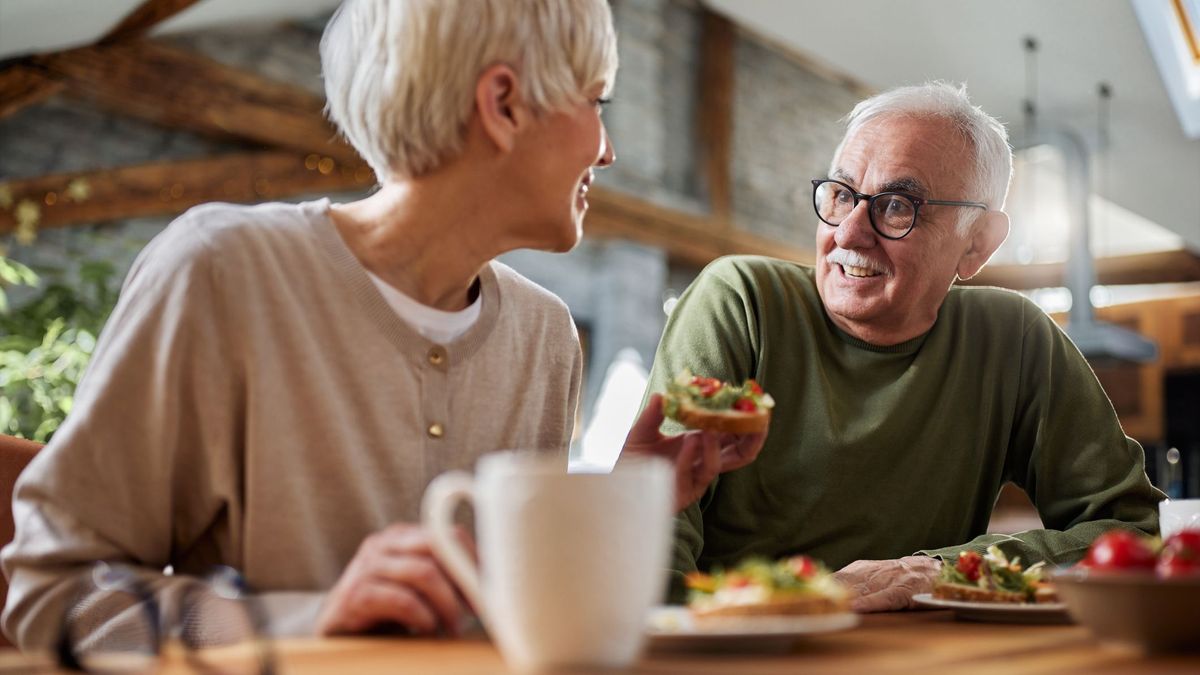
x: 1138, y: 590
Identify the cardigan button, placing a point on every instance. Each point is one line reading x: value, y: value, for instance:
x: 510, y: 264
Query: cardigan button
x: 437, y: 356
x: 436, y: 430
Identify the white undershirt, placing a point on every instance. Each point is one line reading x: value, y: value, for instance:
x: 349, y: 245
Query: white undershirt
x: 433, y: 324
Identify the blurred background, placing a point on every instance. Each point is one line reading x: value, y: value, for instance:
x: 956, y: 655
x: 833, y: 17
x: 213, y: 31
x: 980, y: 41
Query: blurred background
x: 117, y: 115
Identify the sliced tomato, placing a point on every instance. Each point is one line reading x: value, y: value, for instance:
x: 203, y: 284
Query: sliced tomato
x: 754, y: 387
x: 802, y: 566
x: 969, y: 563
x: 708, y: 385
x: 745, y: 404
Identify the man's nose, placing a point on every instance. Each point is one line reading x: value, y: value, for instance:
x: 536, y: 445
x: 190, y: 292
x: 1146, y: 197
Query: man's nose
x: 856, y: 230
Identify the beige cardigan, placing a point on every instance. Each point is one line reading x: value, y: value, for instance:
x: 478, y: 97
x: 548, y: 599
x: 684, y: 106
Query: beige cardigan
x: 255, y: 402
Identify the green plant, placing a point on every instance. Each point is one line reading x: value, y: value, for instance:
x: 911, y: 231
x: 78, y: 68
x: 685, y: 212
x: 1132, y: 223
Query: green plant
x: 45, y: 346
x: 13, y: 273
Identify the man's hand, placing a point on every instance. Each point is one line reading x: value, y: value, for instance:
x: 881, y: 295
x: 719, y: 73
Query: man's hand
x: 885, y: 585
x: 698, y: 455
x: 394, y: 578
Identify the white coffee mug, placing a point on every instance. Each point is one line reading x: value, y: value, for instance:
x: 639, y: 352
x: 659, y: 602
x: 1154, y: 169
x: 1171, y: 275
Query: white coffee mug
x: 1176, y: 515
x: 570, y: 563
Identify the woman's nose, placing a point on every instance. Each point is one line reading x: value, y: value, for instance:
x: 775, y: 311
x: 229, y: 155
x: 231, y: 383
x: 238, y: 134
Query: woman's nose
x: 607, y: 154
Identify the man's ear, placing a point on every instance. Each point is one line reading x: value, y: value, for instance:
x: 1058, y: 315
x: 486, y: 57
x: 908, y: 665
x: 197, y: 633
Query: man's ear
x: 498, y: 104
x: 987, y: 233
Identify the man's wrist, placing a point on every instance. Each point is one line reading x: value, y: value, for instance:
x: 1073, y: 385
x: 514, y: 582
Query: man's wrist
x: 922, y: 562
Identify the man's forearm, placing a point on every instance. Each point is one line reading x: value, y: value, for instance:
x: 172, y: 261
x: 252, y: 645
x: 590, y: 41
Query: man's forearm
x: 1056, y: 547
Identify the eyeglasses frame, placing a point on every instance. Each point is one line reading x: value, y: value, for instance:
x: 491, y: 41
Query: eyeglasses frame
x: 122, y: 578
x: 917, y: 202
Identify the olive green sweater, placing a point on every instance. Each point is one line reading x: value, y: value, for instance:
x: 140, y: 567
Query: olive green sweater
x: 881, y: 452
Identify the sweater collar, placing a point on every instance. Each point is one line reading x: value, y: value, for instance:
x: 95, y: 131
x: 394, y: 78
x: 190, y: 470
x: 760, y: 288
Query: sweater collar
x: 407, y: 340
x: 910, y: 346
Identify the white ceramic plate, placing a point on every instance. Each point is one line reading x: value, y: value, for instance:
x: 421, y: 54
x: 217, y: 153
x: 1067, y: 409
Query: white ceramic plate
x: 999, y: 612
x: 673, y: 626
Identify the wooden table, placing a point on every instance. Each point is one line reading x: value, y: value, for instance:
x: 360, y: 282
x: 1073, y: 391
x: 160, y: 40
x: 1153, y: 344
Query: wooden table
x: 925, y: 642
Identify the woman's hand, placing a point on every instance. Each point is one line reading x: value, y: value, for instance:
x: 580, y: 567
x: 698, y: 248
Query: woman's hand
x: 394, y: 579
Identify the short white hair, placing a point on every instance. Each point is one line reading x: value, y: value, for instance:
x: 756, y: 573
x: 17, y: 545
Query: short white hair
x: 993, y: 155
x: 400, y: 75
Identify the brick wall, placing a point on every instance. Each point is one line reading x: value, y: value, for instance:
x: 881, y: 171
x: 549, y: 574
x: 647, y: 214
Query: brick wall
x: 786, y: 125
x: 784, y: 129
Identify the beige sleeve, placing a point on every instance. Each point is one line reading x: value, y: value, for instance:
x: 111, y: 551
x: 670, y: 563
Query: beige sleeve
x: 147, y: 463
x: 573, y: 413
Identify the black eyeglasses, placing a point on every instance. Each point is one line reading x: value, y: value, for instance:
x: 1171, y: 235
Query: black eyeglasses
x: 892, y: 214
x: 117, y: 625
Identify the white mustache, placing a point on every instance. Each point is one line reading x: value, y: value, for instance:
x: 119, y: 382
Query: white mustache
x: 841, y: 256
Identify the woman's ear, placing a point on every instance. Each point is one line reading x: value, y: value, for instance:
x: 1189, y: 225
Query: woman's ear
x: 987, y: 233
x: 501, y: 111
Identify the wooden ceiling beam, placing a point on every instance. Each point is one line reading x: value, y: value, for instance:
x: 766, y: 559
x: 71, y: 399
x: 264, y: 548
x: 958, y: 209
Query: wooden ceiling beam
x: 23, y: 85
x: 715, y: 112
x: 1143, y: 268
x: 169, y: 188
x: 180, y: 89
x: 146, y: 16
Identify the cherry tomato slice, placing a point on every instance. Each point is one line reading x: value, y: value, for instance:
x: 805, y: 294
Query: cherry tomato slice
x: 745, y: 404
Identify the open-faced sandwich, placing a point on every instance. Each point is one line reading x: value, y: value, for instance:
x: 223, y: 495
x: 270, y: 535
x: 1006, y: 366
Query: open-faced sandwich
x: 757, y: 587
x: 992, y: 578
x: 708, y: 403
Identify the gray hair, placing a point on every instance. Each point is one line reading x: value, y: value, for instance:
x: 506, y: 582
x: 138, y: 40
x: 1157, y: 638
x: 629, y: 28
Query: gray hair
x: 993, y: 155
x: 400, y: 74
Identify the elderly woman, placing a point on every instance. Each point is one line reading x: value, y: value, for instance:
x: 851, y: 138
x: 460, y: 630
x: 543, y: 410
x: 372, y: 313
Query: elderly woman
x: 279, y: 383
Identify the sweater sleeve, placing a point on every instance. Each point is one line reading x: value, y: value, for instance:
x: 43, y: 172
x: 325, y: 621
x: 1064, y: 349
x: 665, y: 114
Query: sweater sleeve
x: 710, y: 333
x: 576, y: 383
x: 1069, y: 453
x: 149, y: 460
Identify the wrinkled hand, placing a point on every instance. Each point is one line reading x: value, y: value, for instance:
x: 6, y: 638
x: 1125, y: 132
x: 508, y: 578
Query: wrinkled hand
x: 698, y: 456
x: 395, y: 579
x: 885, y: 585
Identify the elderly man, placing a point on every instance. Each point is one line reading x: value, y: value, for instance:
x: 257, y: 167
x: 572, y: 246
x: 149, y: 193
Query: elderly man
x: 903, y: 404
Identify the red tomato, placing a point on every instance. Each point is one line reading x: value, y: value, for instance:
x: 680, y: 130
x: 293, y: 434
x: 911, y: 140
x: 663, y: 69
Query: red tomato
x: 708, y: 385
x: 1180, y: 556
x: 1121, y: 551
x: 1187, y: 541
x: 802, y: 566
x: 1172, y: 565
x: 754, y: 387
x: 745, y: 404
x: 968, y: 564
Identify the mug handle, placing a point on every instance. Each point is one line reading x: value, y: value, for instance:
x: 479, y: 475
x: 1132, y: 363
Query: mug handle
x: 437, y: 517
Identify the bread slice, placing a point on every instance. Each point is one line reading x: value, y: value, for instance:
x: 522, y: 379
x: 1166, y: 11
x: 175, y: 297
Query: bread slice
x: 964, y: 593
x: 723, y: 421
x: 781, y: 605
x: 1045, y: 593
